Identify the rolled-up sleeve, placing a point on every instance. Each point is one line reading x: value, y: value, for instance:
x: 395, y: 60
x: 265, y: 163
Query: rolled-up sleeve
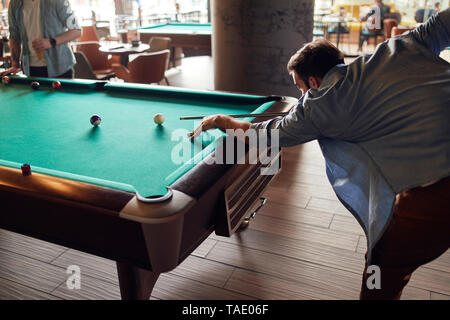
x: 14, y: 32
x: 295, y: 128
x: 66, y: 15
x: 435, y: 33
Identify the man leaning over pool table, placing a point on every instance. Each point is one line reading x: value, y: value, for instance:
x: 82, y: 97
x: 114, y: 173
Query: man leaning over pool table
x: 383, y: 124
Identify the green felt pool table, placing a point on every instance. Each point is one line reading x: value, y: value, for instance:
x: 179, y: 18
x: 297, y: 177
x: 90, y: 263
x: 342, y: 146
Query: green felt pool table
x: 128, y: 190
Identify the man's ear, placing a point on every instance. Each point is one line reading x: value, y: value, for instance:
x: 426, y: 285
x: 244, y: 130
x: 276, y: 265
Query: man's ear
x: 314, y: 82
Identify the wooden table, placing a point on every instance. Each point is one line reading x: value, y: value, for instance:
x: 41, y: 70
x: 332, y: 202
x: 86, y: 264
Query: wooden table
x: 124, y: 50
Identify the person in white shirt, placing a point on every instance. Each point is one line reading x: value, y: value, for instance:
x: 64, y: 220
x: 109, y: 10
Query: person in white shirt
x: 40, y: 31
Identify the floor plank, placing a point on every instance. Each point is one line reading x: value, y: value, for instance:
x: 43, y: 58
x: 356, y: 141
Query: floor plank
x: 90, y: 289
x: 317, y: 178
x: 90, y: 265
x: 346, y: 224
x: 412, y: 293
x: 340, y: 209
x: 303, y: 232
x: 263, y: 286
x: 281, y: 196
x: 362, y: 245
x: 322, y: 204
x: 204, y: 271
x: 432, y: 280
x: 438, y: 296
x: 296, y: 214
x: 442, y: 263
x: 29, y: 247
x: 30, y: 272
x: 203, y: 249
x: 172, y: 287
x: 313, y: 252
x: 10, y: 290
x: 340, y: 284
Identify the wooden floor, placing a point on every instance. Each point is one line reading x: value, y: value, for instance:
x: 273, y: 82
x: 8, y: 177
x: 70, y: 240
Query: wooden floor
x: 302, y: 245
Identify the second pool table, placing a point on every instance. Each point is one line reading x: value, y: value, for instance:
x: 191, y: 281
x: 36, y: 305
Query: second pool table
x: 187, y: 39
x: 115, y: 190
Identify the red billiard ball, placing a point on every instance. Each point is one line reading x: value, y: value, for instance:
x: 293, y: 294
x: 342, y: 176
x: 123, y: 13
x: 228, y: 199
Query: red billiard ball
x: 26, y: 169
x: 6, y: 80
x: 35, y: 85
x: 56, y: 84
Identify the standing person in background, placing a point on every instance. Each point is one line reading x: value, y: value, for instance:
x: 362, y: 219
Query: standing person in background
x: 177, y: 12
x: 372, y: 19
x: 40, y: 31
x: 93, y: 18
x: 437, y: 7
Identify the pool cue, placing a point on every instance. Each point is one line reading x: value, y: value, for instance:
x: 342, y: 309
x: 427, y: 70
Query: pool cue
x: 267, y: 114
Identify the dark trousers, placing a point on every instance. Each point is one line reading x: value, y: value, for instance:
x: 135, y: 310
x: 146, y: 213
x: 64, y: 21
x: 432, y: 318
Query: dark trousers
x: 41, y: 72
x: 418, y: 233
x: 362, y: 39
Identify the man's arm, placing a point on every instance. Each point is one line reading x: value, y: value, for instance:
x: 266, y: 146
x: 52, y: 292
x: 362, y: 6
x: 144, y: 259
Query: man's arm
x: 16, y: 51
x: 295, y: 128
x: 219, y: 121
x: 66, y: 15
x: 44, y: 44
x: 69, y: 21
x: 435, y: 33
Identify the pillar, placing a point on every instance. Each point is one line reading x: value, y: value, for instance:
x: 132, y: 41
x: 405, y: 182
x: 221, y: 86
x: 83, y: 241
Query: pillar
x: 124, y: 7
x: 253, y: 41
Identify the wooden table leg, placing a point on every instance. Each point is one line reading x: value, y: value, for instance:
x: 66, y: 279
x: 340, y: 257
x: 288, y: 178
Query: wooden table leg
x: 135, y: 283
x: 124, y: 59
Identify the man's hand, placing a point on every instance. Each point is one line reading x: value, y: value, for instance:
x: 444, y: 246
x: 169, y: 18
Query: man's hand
x: 12, y: 71
x: 208, y: 123
x: 40, y: 45
x: 219, y: 121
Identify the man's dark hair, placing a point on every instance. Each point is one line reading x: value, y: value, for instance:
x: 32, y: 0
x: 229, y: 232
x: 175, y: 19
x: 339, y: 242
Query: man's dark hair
x: 315, y: 59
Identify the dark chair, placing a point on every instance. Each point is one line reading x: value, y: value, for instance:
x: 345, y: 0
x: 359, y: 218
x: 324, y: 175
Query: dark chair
x: 159, y: 43
x: 396, y: 31
x: 344, y: 31
x: 162, y: 43
x: 422, y: 15
x: 388, y: 25
x: 373, y: 35
x: 99, y: 61
x: 145, y: 68
x: 319, y: 29
x: 88, y: 33
x: 83, y: 69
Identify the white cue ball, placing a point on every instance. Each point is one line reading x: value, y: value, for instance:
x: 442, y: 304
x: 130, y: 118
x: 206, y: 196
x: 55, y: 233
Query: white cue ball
x: 158, y: 118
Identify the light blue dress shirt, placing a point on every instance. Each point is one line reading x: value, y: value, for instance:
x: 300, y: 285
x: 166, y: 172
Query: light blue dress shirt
x: 382, y: 122
x: 56, y: 17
